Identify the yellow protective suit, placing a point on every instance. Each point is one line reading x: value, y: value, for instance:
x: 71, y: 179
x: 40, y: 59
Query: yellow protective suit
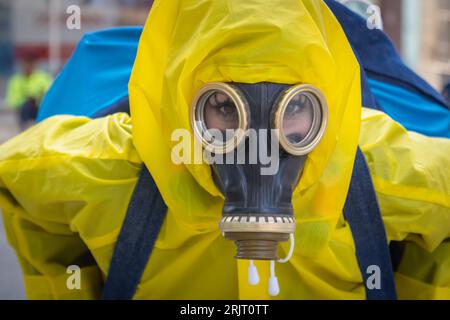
x: 66, y: 183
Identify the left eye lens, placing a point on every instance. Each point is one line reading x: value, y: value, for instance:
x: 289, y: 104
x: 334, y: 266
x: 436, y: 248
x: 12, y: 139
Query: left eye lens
x: 220, y: 112
x: 219, y: 117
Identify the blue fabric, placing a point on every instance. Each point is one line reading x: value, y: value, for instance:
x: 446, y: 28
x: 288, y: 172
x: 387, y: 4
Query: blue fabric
x: 143, y: 221
x: 413, y: 111
x: 363, y: 215
x: 367, y: 98
x: 96, y: 76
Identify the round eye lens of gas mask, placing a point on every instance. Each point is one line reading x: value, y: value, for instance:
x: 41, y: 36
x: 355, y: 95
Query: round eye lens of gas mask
x: 301, y: 118
x: 220, y: 112
x: 219, y: 117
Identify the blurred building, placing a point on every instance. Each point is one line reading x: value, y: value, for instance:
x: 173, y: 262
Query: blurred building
x: 434, y: 48
x: 39, y: 27
x: 420, y: 30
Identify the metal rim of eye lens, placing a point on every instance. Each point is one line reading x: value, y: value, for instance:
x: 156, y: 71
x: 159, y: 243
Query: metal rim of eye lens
x: 198, y: 121
x: 319, y: 119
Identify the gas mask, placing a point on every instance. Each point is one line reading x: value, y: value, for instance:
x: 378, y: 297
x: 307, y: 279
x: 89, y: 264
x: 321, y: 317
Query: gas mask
x: 259, y: 135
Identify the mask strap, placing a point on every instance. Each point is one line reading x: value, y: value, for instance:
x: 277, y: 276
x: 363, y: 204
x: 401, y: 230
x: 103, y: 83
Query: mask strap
x: 291, y: 249
x: 274, y: 287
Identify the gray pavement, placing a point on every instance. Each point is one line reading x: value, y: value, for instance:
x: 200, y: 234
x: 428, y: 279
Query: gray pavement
x: 8, y: 124
x: 11, y: 283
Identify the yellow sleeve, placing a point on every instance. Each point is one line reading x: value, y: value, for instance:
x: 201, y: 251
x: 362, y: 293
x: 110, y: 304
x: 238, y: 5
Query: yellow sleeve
x: 65, y: 184
x: 411, y: 177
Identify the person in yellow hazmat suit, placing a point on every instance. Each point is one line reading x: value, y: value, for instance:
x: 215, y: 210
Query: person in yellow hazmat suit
x: 26, y: 89
x: 66, y: 183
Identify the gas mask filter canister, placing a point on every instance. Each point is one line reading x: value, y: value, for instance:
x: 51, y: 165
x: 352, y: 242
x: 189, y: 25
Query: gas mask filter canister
x: 240, y: 125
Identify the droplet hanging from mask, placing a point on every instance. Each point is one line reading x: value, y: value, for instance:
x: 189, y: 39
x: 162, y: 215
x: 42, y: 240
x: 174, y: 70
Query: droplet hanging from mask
x: 273, y: 285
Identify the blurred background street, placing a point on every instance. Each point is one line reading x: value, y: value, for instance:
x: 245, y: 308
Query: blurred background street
x: 36, y: 30
x: 11, y: 285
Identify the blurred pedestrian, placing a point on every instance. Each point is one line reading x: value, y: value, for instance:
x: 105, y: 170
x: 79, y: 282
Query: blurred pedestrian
x: 26, y: 90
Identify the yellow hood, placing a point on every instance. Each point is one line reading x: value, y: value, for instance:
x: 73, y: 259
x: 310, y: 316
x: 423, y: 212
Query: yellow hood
x: 186, y: 44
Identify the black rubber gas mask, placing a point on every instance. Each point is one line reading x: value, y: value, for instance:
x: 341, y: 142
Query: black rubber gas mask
x: 258, y: 136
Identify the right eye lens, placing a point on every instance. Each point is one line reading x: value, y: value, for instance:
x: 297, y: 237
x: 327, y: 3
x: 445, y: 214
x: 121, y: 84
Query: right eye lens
x: 298, y: 118
x: 301, y: 119
x: 220, y: 112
